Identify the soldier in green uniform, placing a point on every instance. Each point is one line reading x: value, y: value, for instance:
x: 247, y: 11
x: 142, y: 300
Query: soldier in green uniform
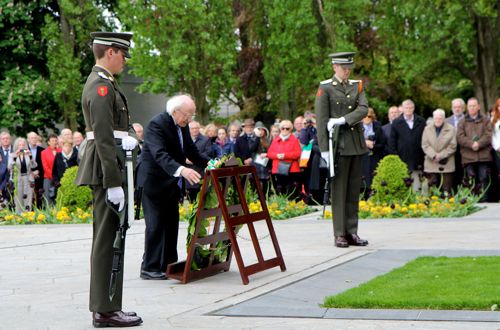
x: 341, y: 102
x: 107, y: 125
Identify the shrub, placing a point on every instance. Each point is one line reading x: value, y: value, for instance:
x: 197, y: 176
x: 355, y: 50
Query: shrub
x: 389, y: 181
x: 70, y: 195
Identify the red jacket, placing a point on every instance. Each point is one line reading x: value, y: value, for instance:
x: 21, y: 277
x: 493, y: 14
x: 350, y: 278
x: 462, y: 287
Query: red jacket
x: 290, y: 147
x: 48, y: 162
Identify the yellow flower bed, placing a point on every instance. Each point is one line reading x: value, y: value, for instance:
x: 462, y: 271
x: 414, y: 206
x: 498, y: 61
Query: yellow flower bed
x: 46, y: 216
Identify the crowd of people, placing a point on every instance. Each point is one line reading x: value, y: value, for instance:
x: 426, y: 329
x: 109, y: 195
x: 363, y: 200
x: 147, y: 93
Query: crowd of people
x: 441, y: 151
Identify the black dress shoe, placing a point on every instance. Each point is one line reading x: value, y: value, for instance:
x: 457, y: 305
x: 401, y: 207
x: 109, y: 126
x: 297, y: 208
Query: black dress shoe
x: 115, y: 319
x: 145, y: 275
x: 126, y: 313
x: 341, y: 242
x: 354, y: 239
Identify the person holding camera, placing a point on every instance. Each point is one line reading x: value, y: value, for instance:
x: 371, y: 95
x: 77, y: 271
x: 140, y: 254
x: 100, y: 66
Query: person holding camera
x: 439, y: 145
x: 22, y: 159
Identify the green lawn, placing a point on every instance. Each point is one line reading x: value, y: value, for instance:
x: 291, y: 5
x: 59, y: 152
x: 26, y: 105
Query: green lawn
x: 471, y: 283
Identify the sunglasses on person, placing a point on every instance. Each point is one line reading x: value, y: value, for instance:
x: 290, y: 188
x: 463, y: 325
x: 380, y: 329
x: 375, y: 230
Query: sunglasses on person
x: 286, y: 128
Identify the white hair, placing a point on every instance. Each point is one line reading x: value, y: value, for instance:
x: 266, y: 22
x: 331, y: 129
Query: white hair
x: 176, y: 102
x: 439, y: 112
x: 408, y: 101
x: 458, y: 100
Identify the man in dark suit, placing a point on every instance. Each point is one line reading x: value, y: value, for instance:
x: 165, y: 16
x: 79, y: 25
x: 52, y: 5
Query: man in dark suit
x: 406, y: 141
x: 206, y: 149
x: 163, y: 170
x: 36, y: 152
x: 392, y: 114
x: 247, y: 144
x: 6, y: 150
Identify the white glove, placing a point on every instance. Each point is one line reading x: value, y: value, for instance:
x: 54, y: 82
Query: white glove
x: 326, y: 157
x: 334, y: 122
x: 116, y: 196
x: 129, y: 143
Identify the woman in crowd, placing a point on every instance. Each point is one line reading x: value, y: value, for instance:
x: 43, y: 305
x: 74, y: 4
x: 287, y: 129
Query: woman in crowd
x: 275, y: 131
x: 375, y: 142
x: 439, y: 144
x: 211, y: 132
x: 25, y: 179
x: 65, y: 159
x: 285, y: 153
x: 261, y: 160
x: 222, y: 146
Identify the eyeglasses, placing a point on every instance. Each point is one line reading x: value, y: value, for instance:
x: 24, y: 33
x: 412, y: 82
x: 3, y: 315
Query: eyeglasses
x: 286, y: 128
x: 191, y: 117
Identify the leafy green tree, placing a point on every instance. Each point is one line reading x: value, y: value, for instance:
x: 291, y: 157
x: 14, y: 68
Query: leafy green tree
x: 25, y: 96
x: 69, y: 57
x: 183, y: 45
x: 436, y: 45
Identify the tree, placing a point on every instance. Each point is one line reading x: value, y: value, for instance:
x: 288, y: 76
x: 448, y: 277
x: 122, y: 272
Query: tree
x: 25, y: 96
x: 69, y: 57
x: 439, y: 43
x: 183, y: 45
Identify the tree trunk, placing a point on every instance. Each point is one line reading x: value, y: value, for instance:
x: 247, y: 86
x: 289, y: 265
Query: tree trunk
x: 486, y: 56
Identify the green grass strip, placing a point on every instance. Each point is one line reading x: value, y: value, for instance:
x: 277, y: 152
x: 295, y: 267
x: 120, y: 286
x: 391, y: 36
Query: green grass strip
x: 465, y: 283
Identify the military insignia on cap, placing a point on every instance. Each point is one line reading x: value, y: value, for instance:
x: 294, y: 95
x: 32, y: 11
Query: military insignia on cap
x: 102, y: 90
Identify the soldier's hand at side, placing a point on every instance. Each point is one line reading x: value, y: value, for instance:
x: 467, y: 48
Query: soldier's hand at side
x: 129, y: 143
x: 191, y: 175
x: 326, y: 157
x: 335, y: 122
x: 116, y: 196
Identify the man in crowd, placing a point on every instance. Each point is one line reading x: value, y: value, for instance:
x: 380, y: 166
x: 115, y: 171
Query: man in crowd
x: 474, y: 137
x: 77, y: 140
x: 139, y: 132
x: 298, y: 125
x: 101, y: 167
x: 247, y: 144
x: 167, y: 145
x: 234, y: 132
x: 392, y: 114
x: 5, y: 179
x: 406, y: 141
x: 457, y: 115
x: 205, y: 148
x: 36, y: 154
x: 347, y: 111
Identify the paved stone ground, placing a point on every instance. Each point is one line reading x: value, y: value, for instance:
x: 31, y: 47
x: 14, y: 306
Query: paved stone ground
x: 44, y: 273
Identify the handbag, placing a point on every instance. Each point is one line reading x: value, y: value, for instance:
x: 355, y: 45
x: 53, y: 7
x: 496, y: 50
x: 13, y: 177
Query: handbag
x: 284, y: 168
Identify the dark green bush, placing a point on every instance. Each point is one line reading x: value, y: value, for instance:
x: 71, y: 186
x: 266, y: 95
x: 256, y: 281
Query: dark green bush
x: 72, y: 196
x: 389, y: 181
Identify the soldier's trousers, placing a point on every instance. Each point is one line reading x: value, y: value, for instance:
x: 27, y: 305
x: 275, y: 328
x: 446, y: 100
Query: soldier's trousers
x: 106, y: 223
x: 345, y: 190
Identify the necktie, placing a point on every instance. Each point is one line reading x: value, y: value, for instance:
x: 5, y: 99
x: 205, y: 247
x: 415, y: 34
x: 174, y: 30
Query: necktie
x: 179, y: 133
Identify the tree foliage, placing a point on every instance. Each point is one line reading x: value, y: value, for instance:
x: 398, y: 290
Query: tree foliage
x: 183, y: 45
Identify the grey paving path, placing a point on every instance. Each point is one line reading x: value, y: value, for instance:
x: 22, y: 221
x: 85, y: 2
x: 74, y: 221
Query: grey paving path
x: 44, y: 273
x: 303, y: 298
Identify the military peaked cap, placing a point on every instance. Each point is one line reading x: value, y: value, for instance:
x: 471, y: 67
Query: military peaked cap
x: 345, y: 59
x: 115, y: 39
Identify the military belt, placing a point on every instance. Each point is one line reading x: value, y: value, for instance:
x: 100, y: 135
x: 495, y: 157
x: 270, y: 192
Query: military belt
x: 116, y: 134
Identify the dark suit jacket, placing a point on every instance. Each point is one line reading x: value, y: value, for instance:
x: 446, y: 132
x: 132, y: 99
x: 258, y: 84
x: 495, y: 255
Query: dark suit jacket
x: 39, y: 166
x: 162, y: 155
x: 60, y: 166
x: 407, y: 143
x: 245, y: 150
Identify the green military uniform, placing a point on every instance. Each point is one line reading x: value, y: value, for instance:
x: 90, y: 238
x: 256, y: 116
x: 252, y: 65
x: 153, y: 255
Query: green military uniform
x: 336, y: 99
x: 106, y: 115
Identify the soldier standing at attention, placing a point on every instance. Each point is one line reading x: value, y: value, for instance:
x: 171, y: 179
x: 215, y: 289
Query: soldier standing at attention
x: 342, y: 102
x: 107, y: 124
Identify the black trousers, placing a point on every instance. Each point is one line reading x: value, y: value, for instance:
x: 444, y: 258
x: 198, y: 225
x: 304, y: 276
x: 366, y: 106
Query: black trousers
x: 161, y: 213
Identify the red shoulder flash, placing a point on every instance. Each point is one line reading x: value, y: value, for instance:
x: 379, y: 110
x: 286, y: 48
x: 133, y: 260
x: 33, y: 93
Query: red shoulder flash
x: 319, y: 93
x: 102, y: 90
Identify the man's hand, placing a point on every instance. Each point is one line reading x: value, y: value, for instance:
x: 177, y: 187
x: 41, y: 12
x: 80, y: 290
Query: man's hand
x: 335, y: 122
x: 116, y: 196
x: 248, y: 161
x: 190, y: 175
x: 475, y: 146
x: 189, y: 162
x: 129, y: 143
x: 326, y: 157
x: 369, y: 144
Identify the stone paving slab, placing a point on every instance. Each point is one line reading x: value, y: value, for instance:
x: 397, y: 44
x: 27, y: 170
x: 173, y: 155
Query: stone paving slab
x: 304, y: 298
